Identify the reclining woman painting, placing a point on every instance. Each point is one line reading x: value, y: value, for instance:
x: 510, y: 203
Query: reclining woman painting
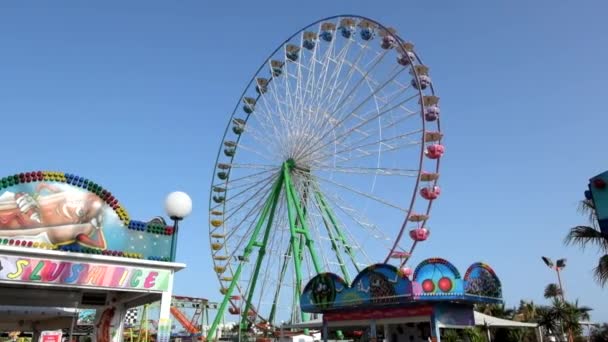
x: 53, y: 214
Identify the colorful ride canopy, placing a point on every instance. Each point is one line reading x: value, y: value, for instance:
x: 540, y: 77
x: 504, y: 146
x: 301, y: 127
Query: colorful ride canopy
x: 434, y: 280
x: 59, y: 211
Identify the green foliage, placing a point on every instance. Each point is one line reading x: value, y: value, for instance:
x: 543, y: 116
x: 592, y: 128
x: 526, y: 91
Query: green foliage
x: 516, y: 335
x: 600, y: 334
x: 475, y: 335
x: 584, y: 236
x: 552, y: 291
x: 450, y: 335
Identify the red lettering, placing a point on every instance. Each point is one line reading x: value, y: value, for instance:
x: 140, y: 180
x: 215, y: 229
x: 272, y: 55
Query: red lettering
x: 52, y: 270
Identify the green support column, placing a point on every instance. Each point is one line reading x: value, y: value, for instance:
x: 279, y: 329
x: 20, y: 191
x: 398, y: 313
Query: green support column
x: 261, y: 252
x: 294, y: 235
x: 330, y: 233
x: 334, y: 221
x: 246, y: 253
x: 292, y: 196
x: 276, y: 294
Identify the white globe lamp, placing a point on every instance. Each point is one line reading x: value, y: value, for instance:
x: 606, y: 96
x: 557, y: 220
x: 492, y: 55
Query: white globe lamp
x: 178, y: 205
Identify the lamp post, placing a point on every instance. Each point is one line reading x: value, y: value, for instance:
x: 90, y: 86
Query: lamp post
x: 178, y: 205
x: 558, y: 266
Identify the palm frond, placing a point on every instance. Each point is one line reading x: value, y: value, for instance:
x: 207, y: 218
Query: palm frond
x: 583, y: 235
x: 552, y: 291
x: 587, y: 208
x: 601, y: 271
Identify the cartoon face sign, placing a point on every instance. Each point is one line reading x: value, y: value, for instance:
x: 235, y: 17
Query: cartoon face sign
x: 323, y: 291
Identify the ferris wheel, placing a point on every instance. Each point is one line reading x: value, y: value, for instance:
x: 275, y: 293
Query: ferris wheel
x: 328, y: 162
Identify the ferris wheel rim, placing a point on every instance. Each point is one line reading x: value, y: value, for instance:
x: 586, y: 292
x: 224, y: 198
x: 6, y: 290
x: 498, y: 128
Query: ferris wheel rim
x: 251, y: 83
x: 279, y: 47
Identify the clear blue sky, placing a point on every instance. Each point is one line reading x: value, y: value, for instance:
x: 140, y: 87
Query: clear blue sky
x: 136, y: 94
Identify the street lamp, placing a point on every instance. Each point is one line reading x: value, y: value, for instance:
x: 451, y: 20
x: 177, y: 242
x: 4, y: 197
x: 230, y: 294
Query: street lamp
x: 178, y: 205
x: 558, y: 266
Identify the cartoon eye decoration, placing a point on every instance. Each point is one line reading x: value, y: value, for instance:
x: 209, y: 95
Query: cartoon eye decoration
x: 445, y: 284
x: 428, y: 286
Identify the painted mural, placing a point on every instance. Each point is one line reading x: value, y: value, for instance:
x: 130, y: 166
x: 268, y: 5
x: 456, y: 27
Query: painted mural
x: 53, y: 210
x: 383, y: 285
x: 482, y: 281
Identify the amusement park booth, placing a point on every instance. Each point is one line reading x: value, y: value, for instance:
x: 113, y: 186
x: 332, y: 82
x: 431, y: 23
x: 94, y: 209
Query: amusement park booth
x: 66, y: 242
x: 401, y: 307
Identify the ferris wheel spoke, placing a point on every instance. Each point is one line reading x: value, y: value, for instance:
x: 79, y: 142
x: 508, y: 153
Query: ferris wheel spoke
x: 377, y: 114
x: 300, y: 122
x: 282, y: 114
x: 266, y: 125
x: 374, y: 84
x: 372, y: 95
x: 279, y: 126
x: 341, y: 100
x: 351, y: 72
x: 337, y: 70
x: 250, y: 186
x: 351, y: 130
x: 360, y: 193
x: 340, y: 121
x: 238, y: 182
x: 356, y: 217
x: 379, y: 146
x: 370, y: 171
x: 265, y: 156
x: 231, y: 212
x: 254, y: 166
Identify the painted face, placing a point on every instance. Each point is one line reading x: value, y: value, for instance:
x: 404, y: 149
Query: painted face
x: 81, y: 207
x: 73, y: 208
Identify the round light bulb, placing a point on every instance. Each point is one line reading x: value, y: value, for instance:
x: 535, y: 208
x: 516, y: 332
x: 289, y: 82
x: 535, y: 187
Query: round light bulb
x: 178, y: 205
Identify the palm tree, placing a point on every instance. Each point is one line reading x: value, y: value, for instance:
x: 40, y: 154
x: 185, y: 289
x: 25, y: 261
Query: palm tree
x: 475, y: 335
x: 553, y: 291
x: 570, y: 315
x: 545, y: 317
x: 584, y: 236
x: 527, y: 311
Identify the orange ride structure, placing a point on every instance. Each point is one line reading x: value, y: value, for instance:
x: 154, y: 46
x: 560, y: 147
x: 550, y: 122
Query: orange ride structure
x: 191, y: 313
